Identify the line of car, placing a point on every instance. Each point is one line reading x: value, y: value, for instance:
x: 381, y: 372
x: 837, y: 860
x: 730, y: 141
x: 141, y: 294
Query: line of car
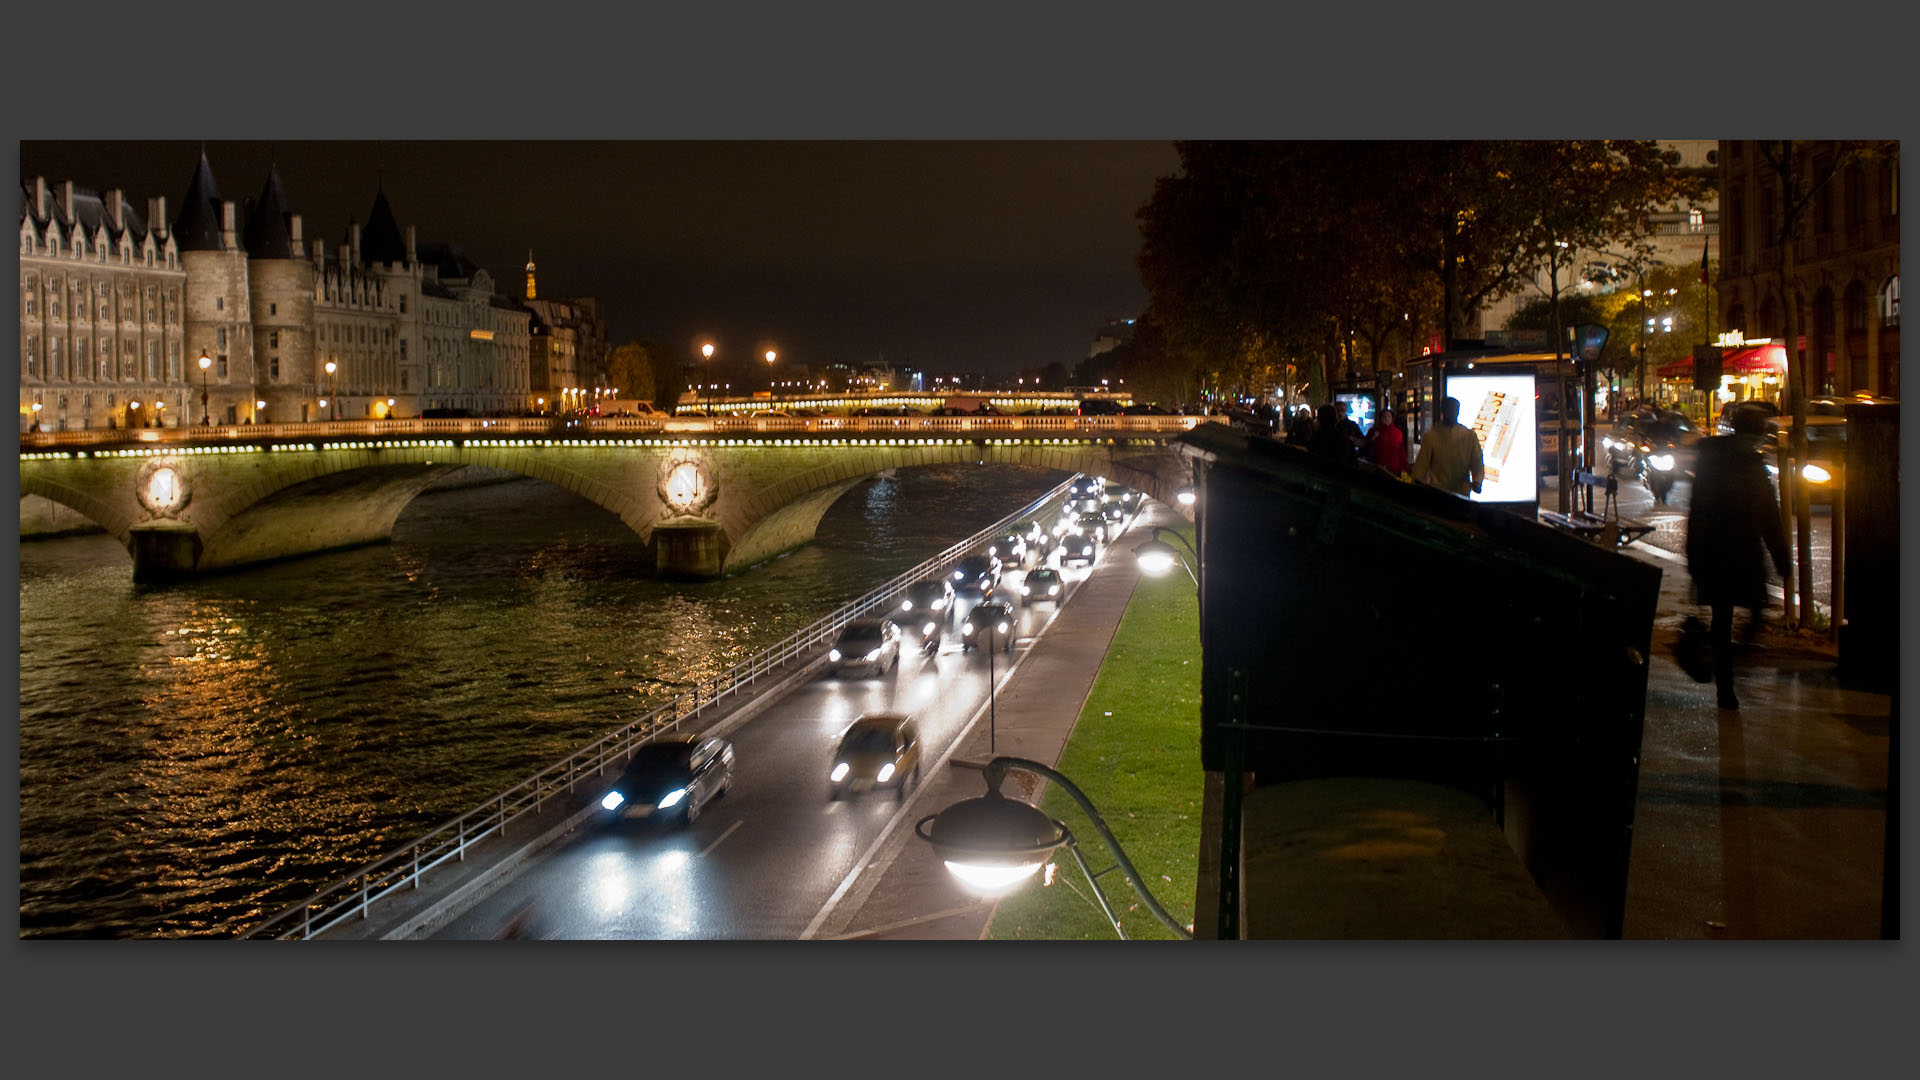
x: 676, y: 776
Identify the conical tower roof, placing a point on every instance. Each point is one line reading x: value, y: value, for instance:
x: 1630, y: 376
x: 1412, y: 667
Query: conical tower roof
x: 267, y: 235
x: 198, y: 227
x: 380, y: 241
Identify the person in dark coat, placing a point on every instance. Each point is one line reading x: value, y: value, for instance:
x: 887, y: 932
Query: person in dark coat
x: 1733, y: 525
x: 1335, y: 436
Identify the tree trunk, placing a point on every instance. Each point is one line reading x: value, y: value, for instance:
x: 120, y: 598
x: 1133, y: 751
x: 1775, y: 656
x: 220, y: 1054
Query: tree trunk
x: 1802, y: 507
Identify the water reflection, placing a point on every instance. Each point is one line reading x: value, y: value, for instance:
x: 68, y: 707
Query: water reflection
x: 193, y: 758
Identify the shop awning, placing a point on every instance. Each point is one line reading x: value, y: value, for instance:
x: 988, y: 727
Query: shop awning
x: 1750, y: 360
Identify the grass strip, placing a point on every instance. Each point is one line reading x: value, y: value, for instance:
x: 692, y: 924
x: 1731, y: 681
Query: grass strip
x: 1135, y: 752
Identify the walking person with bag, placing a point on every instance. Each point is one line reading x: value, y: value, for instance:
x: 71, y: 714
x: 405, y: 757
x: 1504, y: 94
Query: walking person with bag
x: 1733, y: 526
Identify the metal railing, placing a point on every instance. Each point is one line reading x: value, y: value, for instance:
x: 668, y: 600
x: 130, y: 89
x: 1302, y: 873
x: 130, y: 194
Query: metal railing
x: 615, y: 427
x: 355, y: 895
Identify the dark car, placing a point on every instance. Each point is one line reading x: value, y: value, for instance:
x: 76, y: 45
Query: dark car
x: 1042, y: 584
x: 878, y: 750
x: 990, y: 622
x: 866, y: 645
x: 1085, y: 487
x: 976, y: 575
x: 1095, y: 525
x: 1010, y: 550
x: 672, y: 777
x: 1148, y: 409
x: 1766, y: 409
x: 1826, y: 443
x: 1116, y: 515
x: 1077, y: 548
x: 1038, y: 537
x: 923, y: 599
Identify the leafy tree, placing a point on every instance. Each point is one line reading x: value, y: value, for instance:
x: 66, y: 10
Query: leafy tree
x: 645, y: 370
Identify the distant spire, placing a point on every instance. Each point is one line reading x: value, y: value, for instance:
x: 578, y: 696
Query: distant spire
x: 529, y: 273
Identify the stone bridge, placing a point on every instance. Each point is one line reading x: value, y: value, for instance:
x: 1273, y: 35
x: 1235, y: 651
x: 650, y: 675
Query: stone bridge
x: 705, y: 502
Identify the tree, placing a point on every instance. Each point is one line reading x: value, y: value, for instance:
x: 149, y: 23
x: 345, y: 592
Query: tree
x: 645, y: 370
x: 1801, y: 171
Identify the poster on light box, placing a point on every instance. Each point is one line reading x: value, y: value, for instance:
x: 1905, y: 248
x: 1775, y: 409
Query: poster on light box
x: 1500, y: 410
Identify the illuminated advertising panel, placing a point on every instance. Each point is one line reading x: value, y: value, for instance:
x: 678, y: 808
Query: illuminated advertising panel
x: 1358, y: 408
x: 1500, y: 410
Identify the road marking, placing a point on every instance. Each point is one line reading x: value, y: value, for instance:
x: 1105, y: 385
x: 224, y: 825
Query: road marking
x: 716, y: 841
x: 904, y: 923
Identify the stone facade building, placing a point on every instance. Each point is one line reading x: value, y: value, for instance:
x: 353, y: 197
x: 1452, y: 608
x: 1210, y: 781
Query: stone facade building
x: 407, y: 328
x: 1846, y: 262
x: 102, y: 289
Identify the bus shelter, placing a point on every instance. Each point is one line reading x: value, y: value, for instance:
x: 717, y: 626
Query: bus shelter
x: 1512, y: 401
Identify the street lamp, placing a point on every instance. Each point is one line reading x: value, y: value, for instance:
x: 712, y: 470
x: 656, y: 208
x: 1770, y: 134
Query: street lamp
x: 335, y: 412
x: 771, y: 357
x: 706, y: 351
x: 1157, y: 558
x: 993, y: 843
x: 1185, y: 495
x: 205, y: 363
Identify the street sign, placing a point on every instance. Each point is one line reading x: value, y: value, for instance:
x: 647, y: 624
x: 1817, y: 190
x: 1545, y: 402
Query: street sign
x: 1706, y: 367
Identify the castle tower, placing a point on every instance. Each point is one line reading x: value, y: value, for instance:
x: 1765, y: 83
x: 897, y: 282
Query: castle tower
x: 218, y: 319
x: 280, y: 283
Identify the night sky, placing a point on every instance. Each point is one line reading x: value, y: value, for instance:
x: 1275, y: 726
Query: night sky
x: 951, y: 256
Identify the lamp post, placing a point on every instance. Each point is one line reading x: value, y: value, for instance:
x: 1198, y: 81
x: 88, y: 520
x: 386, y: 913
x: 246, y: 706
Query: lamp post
x: 205, y: 363
x: 706, y: 352
x: 1156, y: 557
x: 994, y: 843
x: 771, y: 357
x: 334, y: 412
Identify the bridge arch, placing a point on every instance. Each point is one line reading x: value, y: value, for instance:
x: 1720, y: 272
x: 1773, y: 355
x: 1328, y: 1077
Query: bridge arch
x: 744, y: 500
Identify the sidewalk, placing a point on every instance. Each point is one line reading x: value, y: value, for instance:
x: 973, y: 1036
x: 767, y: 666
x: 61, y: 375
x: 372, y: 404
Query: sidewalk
x: 1768, y: 823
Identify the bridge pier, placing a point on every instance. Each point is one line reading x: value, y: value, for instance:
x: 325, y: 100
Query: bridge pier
x: 689, y: 549
x: 164, y: 550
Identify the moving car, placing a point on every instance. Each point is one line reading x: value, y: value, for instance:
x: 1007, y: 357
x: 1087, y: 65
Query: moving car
x: 1077, y: 548
x: 1125, y: 496
x: 976, y: 575
x: 1826, y: 443
x: 672, y: 777
x: 1094, y: 525
x: 1009, y: 550
x: 1042, y: 584
x: 990, y: 622
x: 1038, y: 537
x: 1084, y: 486
x: 878, y: 750
x: 866, y: 645
x: 932, y: 598
x: 1724, y: 426
x: 1116, y: 515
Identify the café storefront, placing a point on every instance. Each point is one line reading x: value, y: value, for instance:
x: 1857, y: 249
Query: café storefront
x: 1749, y: 372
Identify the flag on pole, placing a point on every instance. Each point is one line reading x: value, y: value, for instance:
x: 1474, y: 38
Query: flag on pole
x: 1706, y: 245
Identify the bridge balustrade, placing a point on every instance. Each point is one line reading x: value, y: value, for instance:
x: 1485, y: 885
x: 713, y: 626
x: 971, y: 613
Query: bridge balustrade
x: 588, y: 427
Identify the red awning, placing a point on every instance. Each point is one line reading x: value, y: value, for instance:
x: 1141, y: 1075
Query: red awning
x: 1749, y: 360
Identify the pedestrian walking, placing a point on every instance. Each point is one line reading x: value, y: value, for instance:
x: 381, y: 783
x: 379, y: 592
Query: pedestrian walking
x: 1300, y: 427
x: 1387, y: 444
x: 1450, y: 457
x: 1733, y: 526
x: 1335, y: 436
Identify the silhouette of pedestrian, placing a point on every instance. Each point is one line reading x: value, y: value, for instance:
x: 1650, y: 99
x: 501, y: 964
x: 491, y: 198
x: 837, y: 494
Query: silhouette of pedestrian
x: 1733, y: 525
x: 1450, y: 457
x: 1335, y: 436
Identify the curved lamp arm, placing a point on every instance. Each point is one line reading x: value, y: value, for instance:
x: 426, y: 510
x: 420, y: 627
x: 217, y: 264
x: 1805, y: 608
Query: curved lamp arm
x: 997, y: 771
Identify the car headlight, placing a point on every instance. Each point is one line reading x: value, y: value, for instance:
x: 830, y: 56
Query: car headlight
x: 672, y: 797
x: 959, y: 575
x: 1026, y: 590
x: 967, y: 627
x: 940, y: 604
x: 1645, y: 449
x: 1815, y: 474
x: 613, y: 800
x: 1053, y: 590
x: 886, y: 773
x: 906, y: 605
x: 928, y: 629
x: 839, y: 772
x: 1003, y: 628
x: 1662, y: 462
x: 873, y: 656
x: 833, y: 655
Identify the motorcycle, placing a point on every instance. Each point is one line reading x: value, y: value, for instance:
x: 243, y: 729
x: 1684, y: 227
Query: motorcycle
x: 930, y: 637
x: 1659, y: 468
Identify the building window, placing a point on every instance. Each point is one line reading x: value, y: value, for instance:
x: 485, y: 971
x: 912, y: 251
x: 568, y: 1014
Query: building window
x: 273, y: 339
x: 220, y: 338
x: 273, y: 368
x: 273, y: 309
x: 80, y: 355
x: 219, y: 303
x: 33, y: 358
x: 220, y: 366
x: 153, y: 361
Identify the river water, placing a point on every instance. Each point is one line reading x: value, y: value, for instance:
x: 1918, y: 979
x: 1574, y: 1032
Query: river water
x: 195, y: 758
